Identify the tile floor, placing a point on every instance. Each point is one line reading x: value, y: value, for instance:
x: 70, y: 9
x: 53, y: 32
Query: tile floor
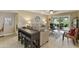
x: 12, y: 42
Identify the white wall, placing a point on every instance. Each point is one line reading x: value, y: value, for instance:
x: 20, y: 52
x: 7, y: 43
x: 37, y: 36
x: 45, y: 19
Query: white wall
x: 1, y: 23
x: 21, y: 21
x: 25, y: 17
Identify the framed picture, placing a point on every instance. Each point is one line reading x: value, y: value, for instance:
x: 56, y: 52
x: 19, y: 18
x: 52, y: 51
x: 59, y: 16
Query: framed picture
x: 8, y: 20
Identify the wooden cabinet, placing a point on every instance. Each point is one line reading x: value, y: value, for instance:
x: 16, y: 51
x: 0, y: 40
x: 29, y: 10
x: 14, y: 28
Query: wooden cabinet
x: 30, y: 38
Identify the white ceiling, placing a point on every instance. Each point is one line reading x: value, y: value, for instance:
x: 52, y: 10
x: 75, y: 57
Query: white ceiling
x: 9, y: 11
x: 45, y: 12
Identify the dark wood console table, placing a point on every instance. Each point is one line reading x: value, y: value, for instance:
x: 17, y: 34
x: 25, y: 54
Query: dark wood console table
x: 30, y: 38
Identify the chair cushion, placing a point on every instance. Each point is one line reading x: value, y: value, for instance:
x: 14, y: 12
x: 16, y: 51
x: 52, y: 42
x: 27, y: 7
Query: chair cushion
x: 72, y: 32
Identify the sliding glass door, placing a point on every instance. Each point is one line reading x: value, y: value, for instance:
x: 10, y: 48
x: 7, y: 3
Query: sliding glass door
x: 62, y: 22
x: 55, y: 23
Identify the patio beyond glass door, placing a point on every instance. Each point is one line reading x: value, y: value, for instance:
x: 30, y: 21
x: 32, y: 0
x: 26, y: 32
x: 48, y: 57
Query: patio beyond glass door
x: 55, y: 22
x: 62, y: 22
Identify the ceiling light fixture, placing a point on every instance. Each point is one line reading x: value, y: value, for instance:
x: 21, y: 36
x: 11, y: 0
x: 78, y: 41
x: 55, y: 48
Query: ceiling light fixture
x: 51, y: 12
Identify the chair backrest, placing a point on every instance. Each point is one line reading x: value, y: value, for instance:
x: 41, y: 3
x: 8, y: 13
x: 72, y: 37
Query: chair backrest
x: 77, y: 33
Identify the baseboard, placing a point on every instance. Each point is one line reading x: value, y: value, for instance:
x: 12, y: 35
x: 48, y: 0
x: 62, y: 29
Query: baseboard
x: 7, y: 34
